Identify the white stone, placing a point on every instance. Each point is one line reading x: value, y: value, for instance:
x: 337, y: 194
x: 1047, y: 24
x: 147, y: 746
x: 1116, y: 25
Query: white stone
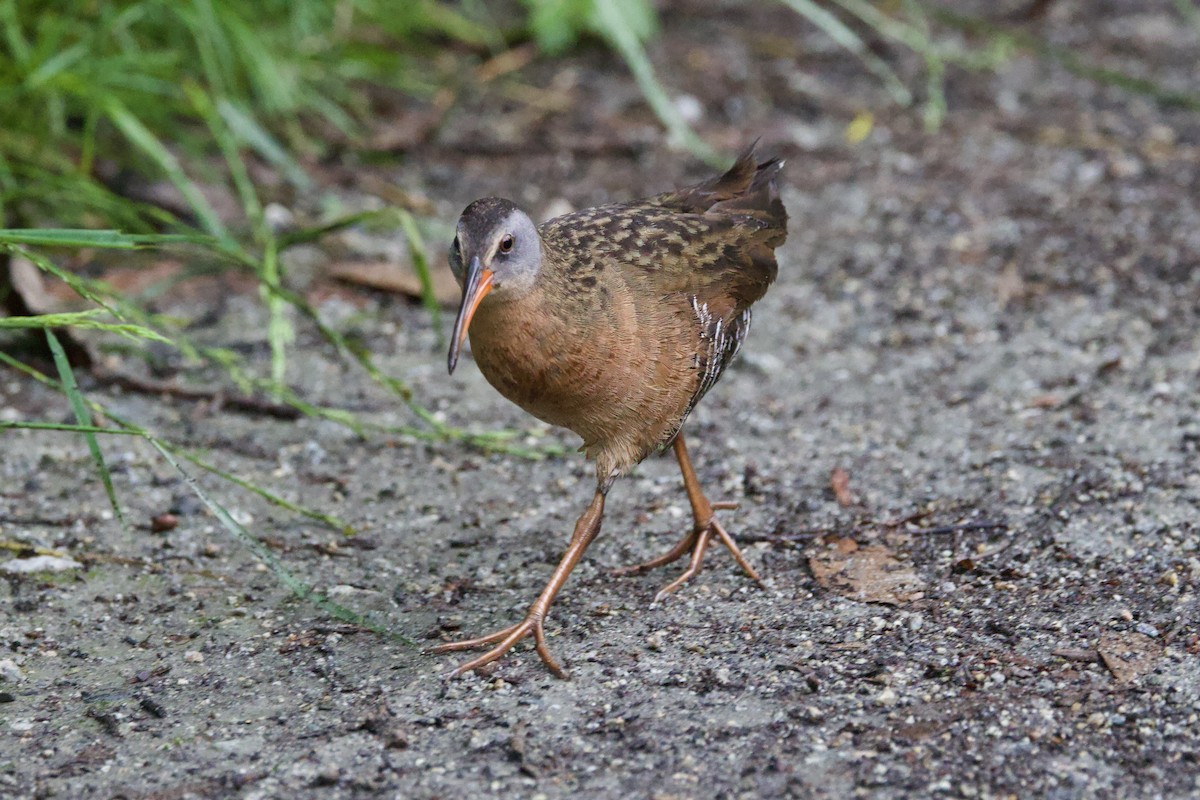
x: 26, y: 566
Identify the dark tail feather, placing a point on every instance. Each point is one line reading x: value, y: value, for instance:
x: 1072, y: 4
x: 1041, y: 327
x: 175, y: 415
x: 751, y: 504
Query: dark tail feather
x: 747, y: 186
x: 704, y: 195
x: 759, y: 194
x: 736, y: 181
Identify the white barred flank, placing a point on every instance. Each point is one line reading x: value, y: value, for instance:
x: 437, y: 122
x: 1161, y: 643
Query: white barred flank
x: 719, y: 343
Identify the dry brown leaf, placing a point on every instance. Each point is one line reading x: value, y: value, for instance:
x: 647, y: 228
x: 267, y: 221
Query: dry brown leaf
x: 870, y: 574
x: 839, y: 479
x: 24, y: 291
x: 28, y: 282
x: 1046, y: 401
x: 135, y: 278
x: 1128, y: 655
x: 507, y: 61
x: 391, y: 277
x: 134, y: 274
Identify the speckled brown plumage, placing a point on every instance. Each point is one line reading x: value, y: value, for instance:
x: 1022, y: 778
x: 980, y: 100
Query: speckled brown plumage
x: 638, y: 311
x: 614, y: 322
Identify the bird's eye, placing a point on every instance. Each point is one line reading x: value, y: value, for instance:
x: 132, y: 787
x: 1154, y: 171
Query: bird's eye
x: 506, y: 244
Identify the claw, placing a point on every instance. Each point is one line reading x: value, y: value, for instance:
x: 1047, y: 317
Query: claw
x: 586, y: 529
x: 698, y: 539
x: 697, y: 542
x: 507, y: 637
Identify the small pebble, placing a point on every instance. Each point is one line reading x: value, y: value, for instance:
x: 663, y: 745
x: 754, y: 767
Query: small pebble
x: 9, y: 671
x: 163, y: 523
x: 690, y: 108
x: 28, y: 566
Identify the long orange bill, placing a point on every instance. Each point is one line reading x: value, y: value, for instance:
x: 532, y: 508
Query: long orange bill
x: 477, y: 284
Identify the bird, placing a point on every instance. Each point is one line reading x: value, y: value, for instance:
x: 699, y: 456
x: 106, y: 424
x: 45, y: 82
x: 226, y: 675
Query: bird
x: 614, y: 322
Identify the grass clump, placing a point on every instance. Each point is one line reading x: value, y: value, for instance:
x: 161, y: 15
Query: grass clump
x: 103, y: 98
x: 98, y: 88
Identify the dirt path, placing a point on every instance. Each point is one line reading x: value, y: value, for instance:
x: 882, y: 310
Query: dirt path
x: 995, y: 324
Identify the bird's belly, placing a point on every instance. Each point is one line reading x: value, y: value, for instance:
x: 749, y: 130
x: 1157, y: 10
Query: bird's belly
x: 615, y: 387
x: 607, y: 394
x: 558, y: 387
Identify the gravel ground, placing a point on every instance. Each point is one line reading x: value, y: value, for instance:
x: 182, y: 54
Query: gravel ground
x: 963, y: 435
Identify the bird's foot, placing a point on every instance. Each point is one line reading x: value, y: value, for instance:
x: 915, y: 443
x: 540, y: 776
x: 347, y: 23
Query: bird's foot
x: 504, y: 641
x: 697, y: 541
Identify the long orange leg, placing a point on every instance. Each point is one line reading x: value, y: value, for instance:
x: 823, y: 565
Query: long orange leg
x: 697, y: 540
x: 585, y: 531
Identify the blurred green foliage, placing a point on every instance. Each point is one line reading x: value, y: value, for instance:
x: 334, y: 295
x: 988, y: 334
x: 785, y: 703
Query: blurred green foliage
x: 131, y: 81
x: 558, y: 24
x: 136, y: 86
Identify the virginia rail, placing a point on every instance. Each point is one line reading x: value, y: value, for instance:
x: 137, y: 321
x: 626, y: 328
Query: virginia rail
x: 614, y: 322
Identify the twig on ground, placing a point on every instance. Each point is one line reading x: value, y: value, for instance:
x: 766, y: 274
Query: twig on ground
x: 240, y: 403
x: 1075, y: 654
x: 961, y: 527
x: 941, y: 530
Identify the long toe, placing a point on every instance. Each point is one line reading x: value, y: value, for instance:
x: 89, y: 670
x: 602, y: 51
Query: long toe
x: 696, y: 542
x: 504, y: 641
x: 471, y: 644
x: 671, y: 556
x: 736, y: 552
x: 692, y: 568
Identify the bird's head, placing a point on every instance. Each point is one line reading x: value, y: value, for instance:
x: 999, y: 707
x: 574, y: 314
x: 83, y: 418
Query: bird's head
x: 496, y: 251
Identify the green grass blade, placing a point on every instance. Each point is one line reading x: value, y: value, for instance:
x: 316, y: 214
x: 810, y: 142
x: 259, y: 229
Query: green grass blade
x: 144, y: 139
x: 296, y: 586
x: 272, y: 498
x: 846, y: 38
x: 615, y: 28
x: 416, y: 252
x: 204, y: 107
x: 444, y: 18
x: 62, y: 426
x: 248, y: 130
x: 306, y: 235
x: 77, y: 284
x: 10, y: 24
x: 79, y: 406
x: 934, y: 112
x: 60, y: 62
x: 935, y: 109
x: 107, y: 239
x: 280, y: 332
x: 886, y: 25
x: 83, y: 320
